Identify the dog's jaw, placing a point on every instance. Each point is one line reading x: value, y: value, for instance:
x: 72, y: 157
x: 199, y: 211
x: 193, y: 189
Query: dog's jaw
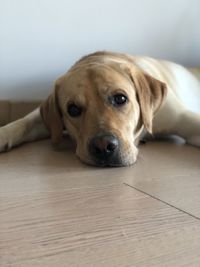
x: 126, y: 157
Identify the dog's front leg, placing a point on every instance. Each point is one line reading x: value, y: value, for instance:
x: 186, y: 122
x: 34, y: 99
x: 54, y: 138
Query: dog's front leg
x: 26, y: 129
x: 188, y: 127
x: 175, y: 118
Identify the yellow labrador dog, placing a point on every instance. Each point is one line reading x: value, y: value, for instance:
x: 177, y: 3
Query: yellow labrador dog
x: 107, y: 101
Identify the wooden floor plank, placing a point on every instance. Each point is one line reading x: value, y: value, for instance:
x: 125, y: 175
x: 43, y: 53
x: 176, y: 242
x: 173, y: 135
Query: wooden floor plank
x: 56, y: 211
x: 170, y: 173
x: 107, y: 225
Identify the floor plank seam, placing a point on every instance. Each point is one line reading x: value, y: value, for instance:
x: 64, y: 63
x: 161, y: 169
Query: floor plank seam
x: 164, y: 202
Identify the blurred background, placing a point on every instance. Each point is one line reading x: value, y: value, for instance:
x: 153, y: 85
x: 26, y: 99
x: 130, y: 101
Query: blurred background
x: 41, y: 39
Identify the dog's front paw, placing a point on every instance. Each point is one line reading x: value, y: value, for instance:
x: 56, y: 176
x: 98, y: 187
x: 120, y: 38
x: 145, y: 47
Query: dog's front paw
x: 5, y: 143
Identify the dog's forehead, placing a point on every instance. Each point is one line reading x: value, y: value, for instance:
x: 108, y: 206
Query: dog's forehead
x: 96, y: 78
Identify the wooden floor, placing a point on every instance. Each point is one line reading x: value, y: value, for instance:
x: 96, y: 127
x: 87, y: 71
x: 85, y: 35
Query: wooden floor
x: 56, y: 211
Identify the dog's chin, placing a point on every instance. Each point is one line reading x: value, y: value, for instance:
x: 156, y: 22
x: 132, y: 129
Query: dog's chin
x: 108, y: 163
x: 128, y: 158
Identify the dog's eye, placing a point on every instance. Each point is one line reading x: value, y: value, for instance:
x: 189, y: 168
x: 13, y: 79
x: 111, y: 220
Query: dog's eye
x: 119, y: 99
x: 74, y: 111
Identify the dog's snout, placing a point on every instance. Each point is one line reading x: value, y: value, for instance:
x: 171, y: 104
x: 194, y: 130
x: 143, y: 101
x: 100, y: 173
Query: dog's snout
x: 103, y: 147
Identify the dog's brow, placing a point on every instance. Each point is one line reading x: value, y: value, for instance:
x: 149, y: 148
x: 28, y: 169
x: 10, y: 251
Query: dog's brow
x: 78, y: 99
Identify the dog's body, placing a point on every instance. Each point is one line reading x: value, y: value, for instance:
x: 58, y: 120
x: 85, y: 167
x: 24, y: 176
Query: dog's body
x: 107, y: 101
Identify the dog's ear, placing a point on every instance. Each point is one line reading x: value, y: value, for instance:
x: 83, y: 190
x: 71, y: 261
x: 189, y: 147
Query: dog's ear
x: 150, y: 93
x: 51, y: 115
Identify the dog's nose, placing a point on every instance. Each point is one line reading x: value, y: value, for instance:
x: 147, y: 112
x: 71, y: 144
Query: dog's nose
x: 104, y: 147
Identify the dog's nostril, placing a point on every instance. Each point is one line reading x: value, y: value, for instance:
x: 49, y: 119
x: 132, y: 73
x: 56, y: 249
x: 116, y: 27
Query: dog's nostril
x: 97, y: 150
x: 111, y: 147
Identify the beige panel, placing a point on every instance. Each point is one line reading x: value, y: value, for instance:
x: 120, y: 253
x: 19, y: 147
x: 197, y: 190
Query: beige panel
x: 56, y: 211
x: 20, y: 109
x: 4, y: 112
x: 10, y: 111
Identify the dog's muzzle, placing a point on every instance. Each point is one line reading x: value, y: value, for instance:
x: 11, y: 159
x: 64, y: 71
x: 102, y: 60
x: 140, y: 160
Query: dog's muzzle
x: 104, y: 150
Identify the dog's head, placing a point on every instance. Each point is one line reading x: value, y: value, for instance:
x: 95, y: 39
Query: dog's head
x: 104, y: 106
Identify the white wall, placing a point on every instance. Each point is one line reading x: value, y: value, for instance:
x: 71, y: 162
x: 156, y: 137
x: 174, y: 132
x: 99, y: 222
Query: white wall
x: 40, y: 39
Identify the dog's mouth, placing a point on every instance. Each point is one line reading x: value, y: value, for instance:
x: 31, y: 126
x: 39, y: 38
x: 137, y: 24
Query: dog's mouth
x: 107, y: 150
x: 116, y: 161
x: 113, y: 161
x: 105, y: 163
x: 108, y: 163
